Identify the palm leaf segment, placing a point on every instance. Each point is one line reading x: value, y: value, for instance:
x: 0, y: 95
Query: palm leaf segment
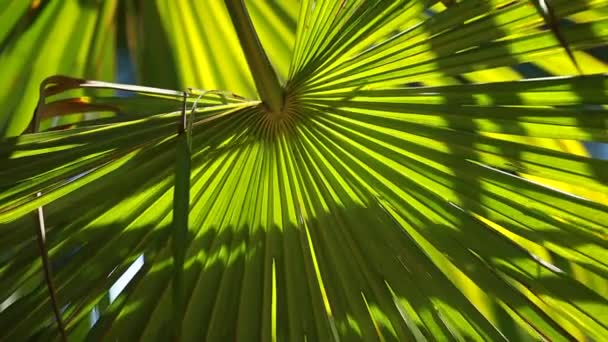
x: 370, y: 208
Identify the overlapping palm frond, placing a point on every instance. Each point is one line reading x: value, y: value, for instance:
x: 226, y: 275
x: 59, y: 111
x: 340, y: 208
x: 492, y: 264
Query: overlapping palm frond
x: 412, y: 188
x: 174, y: 45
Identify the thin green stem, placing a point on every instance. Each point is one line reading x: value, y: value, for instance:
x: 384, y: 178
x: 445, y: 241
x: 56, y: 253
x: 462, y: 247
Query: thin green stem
x: 264, y: 75
x: 181, y: 210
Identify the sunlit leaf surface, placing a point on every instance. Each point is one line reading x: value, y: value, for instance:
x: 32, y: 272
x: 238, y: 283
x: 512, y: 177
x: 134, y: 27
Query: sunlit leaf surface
x: 425, y: 181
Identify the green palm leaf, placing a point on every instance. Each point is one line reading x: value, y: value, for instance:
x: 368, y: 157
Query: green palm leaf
x: 398, y: 195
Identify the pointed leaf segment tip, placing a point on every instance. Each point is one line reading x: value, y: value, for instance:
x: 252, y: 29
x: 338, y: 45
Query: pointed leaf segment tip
x: 547, y: 11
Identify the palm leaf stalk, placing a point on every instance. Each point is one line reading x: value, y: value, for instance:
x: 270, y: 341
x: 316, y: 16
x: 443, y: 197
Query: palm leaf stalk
x: 413, y: 187
x: 265, y: 76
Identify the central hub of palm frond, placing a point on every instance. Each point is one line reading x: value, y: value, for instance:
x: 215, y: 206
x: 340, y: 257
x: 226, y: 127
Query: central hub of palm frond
x: 284, y: 119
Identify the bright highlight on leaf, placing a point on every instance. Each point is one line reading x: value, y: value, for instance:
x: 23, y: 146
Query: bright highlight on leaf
x: 424, y: 179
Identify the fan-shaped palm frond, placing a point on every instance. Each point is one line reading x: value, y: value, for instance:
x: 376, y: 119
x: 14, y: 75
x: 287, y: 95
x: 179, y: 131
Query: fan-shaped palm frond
x: 411, y: 185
